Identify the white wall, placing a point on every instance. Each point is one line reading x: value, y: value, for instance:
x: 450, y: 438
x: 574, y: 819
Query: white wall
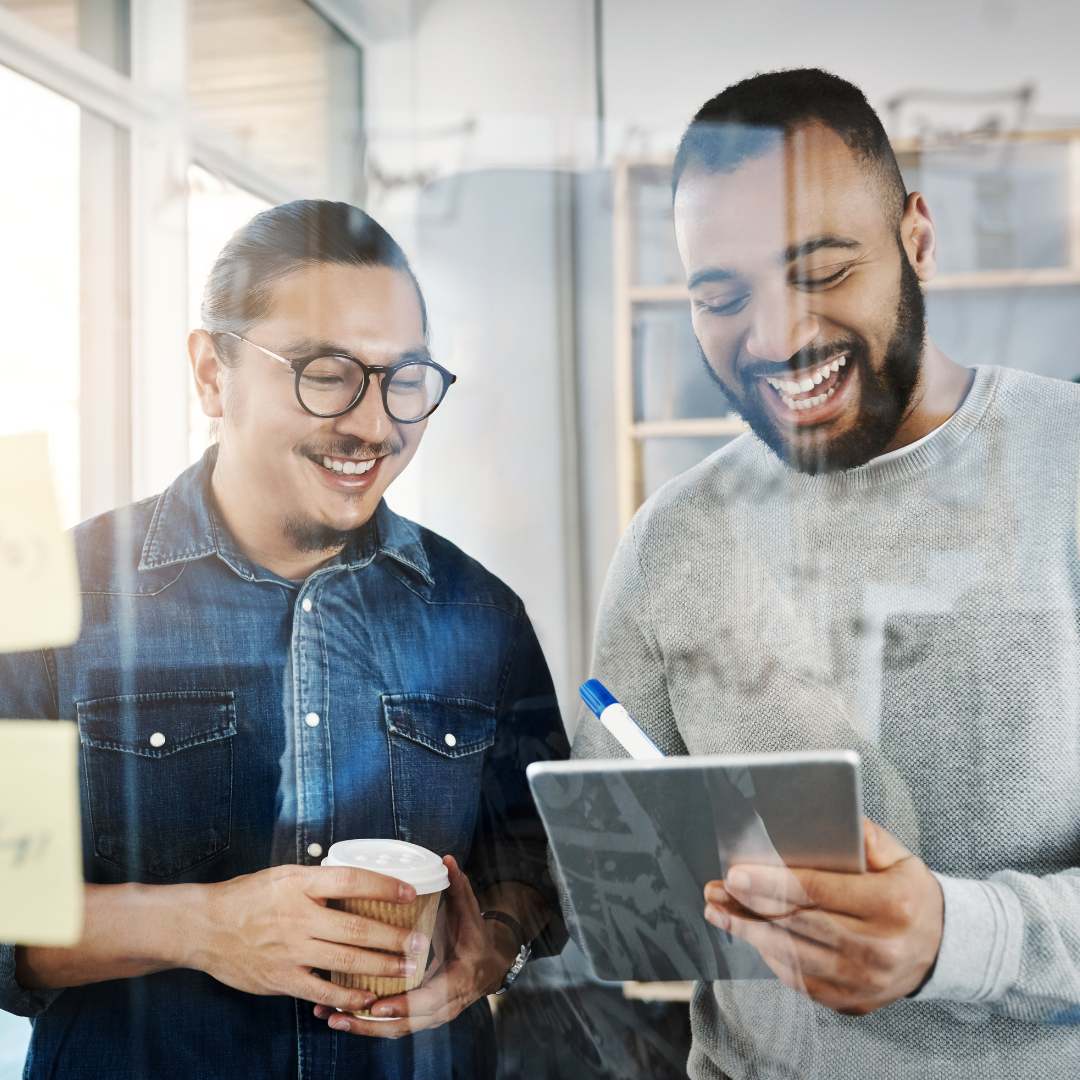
x: 664, y: 60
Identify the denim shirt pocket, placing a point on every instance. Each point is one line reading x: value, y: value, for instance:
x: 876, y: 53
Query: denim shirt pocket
x: 437, y: 750
x: 159, y: 778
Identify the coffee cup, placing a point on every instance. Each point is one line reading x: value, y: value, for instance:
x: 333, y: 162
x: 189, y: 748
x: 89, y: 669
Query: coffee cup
x: 415, y: 865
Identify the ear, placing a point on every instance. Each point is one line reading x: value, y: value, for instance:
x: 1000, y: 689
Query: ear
x: 918, y: 236
x: 207, y: 370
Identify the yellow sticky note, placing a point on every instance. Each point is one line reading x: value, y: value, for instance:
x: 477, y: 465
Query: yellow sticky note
x: 41, y: 887
x: 38, y: 576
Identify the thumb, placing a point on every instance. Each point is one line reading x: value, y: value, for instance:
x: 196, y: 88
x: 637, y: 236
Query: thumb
x: 882, y: 848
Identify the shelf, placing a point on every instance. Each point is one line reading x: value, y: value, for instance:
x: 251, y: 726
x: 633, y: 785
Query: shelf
x: 1006, y: 279
x: 658, y: 991
x: 658, y: 294
x: 706, y: 427
x: 1040, y: 277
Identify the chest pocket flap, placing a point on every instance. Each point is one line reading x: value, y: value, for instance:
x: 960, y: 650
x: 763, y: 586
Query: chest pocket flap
x: 453, y: 727
x: 437, y: 751
x: 159, y: 775
x: 156, y: 725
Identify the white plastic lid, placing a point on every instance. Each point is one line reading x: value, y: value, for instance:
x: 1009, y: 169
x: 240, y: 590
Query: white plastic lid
x: 415, y: 865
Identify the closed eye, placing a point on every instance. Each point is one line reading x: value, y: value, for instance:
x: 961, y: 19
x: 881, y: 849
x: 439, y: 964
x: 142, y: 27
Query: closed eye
x: 812, y: 284
x: 728, y: 307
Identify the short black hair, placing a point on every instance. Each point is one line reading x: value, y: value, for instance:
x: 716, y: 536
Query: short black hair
x: 753, y: 116
x: 286, y: 238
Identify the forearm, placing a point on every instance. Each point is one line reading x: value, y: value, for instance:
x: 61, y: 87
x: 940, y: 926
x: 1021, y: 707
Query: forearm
x: 521, y: 902
x: 129, y: 930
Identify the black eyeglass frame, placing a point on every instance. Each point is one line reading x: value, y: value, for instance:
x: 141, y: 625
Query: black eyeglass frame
x: 299, y: 365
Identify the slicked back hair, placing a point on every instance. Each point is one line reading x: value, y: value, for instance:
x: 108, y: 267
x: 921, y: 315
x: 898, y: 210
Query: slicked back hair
x: 754, y: 116
x: 286, y: 238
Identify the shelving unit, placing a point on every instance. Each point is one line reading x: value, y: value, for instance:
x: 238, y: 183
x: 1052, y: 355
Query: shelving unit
x: 994, y: 161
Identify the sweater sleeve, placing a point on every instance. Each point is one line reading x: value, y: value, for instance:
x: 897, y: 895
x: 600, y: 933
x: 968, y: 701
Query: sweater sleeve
x: 628, y: 660
x: 1011, y: 945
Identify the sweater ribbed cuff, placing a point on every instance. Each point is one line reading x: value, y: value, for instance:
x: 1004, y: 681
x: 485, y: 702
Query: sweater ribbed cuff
x: 979, y: 958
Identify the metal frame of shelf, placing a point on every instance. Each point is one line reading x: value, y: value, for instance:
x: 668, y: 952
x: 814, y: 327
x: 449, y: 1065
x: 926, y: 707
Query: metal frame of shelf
x: 628, y: 294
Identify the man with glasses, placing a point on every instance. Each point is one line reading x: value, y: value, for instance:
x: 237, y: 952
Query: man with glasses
x: 272, y: 660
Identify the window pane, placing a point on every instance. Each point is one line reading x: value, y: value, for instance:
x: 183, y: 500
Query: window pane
x: 39, y: 275
x: 282, y: 84
x: 99, y: 28
x: 216, y: 209
x: 670, y: 378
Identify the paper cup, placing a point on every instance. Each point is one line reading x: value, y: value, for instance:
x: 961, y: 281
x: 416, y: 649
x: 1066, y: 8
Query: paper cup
x: 415, y: 865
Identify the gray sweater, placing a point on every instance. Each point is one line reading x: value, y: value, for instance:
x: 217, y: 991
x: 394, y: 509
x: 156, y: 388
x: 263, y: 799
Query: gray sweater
x: 921, y: 610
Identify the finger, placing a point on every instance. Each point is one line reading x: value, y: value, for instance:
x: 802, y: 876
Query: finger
x: 436, y: 998
x: 771, y: 890
x: 321, y: 991
x: 766, y: 890
x: 460, y: 892
x: 345, y: 882
x: 373, y: 1029
x: 352, y: 961
x: 779, y: 947
x: 882, y: 848
x: 347, y: 928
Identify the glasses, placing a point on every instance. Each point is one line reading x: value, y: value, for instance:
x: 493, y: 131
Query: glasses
x: 332, y: 385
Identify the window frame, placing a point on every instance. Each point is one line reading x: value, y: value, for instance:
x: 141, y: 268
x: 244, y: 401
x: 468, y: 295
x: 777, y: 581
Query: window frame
x: 137, y: 139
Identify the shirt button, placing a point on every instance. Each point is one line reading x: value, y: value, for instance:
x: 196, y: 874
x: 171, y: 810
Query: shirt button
x: 312, y: 719
x: 450, y: 739
x: 306, y: 603
x: 314, y: 850
x: 157, y: 739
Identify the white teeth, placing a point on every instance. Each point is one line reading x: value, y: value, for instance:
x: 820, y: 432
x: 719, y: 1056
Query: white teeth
x: 349, y: 468
x: 817, y: 378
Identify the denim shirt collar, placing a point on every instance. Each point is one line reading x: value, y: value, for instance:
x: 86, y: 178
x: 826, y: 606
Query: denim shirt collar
x: 186, y: 526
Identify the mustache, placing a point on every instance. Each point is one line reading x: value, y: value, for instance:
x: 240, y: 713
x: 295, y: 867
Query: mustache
x: 351, y: 447
x: 811, y: 356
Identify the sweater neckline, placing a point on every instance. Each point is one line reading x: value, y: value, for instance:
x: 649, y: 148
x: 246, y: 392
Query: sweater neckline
x: 935, y: 447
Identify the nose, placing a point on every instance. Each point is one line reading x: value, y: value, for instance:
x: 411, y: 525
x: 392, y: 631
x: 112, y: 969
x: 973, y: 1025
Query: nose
x: 369, y: 420
x: 780, y: 326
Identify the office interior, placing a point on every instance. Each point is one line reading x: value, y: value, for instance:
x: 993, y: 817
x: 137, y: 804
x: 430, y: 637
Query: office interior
x: 519, y: 150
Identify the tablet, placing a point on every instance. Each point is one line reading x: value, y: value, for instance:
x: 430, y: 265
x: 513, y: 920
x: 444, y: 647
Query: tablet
x: 635, y: 841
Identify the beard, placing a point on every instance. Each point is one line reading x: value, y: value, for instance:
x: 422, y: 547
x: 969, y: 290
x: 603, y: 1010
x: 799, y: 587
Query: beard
x: 884, y: 396
x: 308, y: 535
x: 313, y: 536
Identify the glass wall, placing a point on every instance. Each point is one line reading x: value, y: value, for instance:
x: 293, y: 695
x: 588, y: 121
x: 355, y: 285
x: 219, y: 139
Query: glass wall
x: 40, y: 216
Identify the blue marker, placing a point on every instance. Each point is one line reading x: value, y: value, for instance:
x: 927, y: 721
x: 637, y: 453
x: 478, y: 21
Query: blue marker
x: 618, y: 721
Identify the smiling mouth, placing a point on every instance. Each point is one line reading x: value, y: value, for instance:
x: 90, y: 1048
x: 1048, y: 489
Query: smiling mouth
x: 346, y: 466
x: 813, y: 386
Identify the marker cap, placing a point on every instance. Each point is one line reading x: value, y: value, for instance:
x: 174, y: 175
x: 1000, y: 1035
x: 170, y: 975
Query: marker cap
x: 597, y: 696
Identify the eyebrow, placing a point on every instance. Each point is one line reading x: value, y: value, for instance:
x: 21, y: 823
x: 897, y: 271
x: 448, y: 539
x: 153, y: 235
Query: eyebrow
x: 714, y: 274
x: 302, y: 348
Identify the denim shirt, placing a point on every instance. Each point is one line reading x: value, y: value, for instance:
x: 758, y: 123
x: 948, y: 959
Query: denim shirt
x: 231, y: 720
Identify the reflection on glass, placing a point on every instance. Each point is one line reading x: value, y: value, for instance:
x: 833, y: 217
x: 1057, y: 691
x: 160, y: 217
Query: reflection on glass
x: 1035, y: 329
x: 661, y: 459
x: 288, y: 99
x: 656, y: 259
x: 998, y: 205
x: 216, y: 209
x: 670, y: 378
x: 99, y: 29
x: 39, y: 275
